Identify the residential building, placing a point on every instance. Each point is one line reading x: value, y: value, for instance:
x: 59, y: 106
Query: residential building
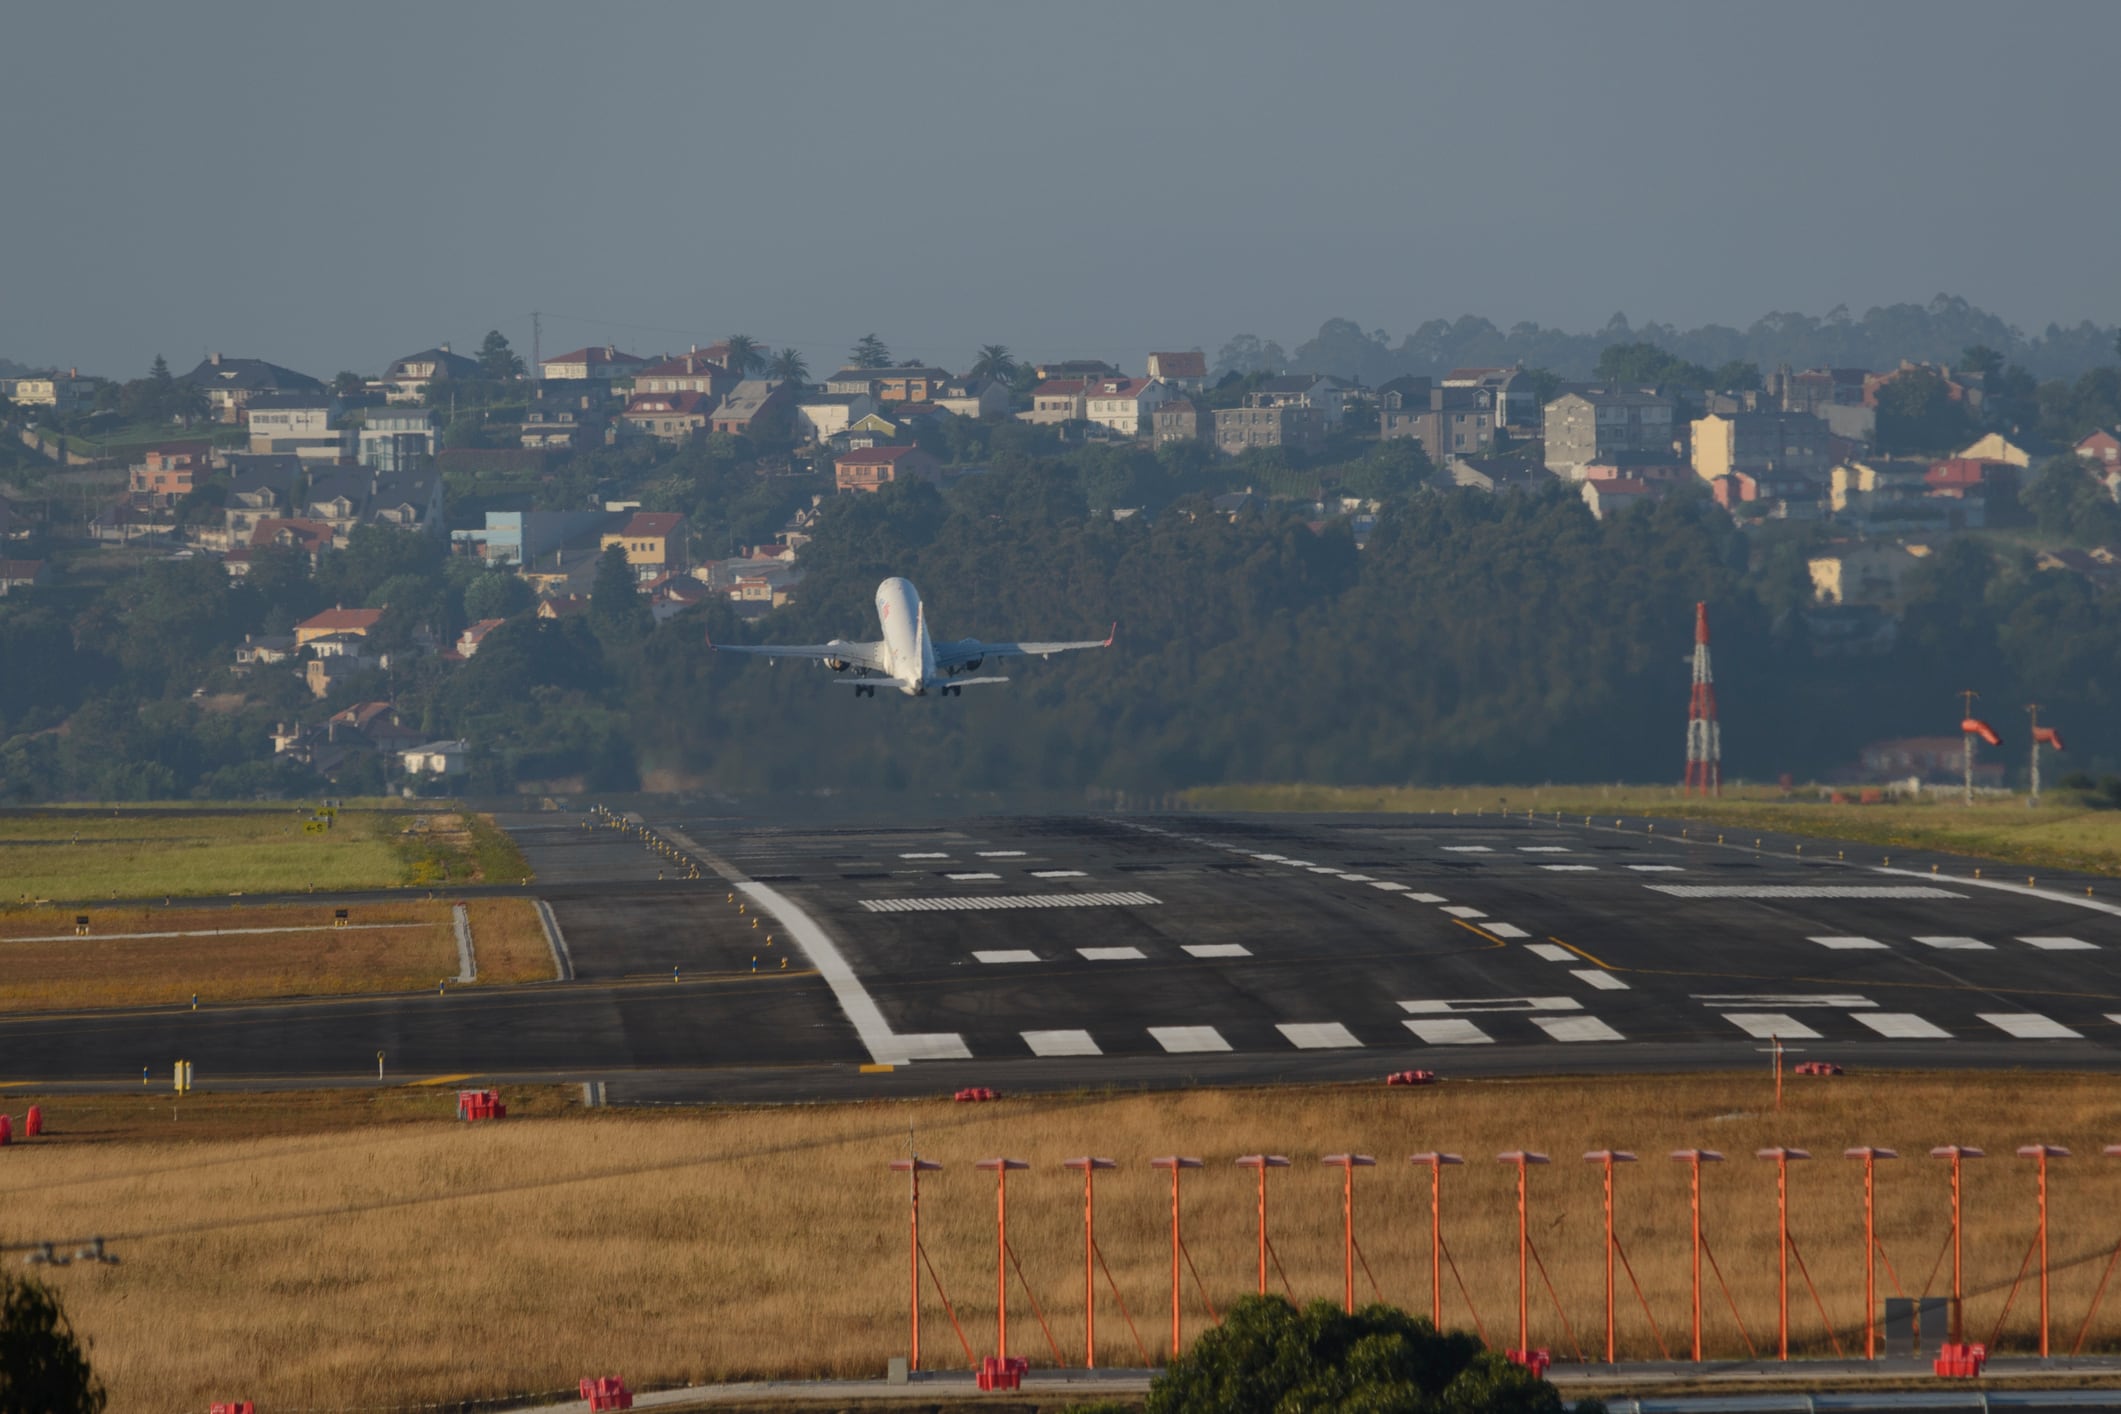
x: 61, y: 392
x: 704, y: 371
x: 1180, y: 420
x: 1759, y: 444
x: 2101, y: 449
x: 1057, y: 400
x: 167, y: 474
x: 592, y: 365
x: 260, y: 488
x: 849, y: 381
x: 22, y: 574
x: 436, y: 758
x: 975, y: 398
x: 523, y: 537
x: 1510, y: 393
x: 1614, y: 428
x: 407, y: 500
x: 337, y: 620
x: 1182, y: 372
x: 823, y: 416
x: 474, y: 634
x: 871, y: 429
x: 563, y: 606
x: 311, y: 537
x: 398, y: 440
x: 1082, y: 368
x: 1323, y: 393
x: 128, y: 519
x: 1816, y: 389
x: 1448, y: 421
x: 1996, y: 447
x: 560, y: 428
x: 870, y: 468
x: 654, y: 542
x: 407, y: 378
x: 1607, y: 494
x: 266, y: 651
x: 911, y: 385
x: 1496, y: 473
x: 337, y: 496
x: 672, y: 594
x: 1289, y: 425
x: 755, y: 408
x: 669, y: 417
x: 1123, y: 404
x: 1867, y: 481
x: 1865, y: 572
x: 230, y: 383
x: 303, y: 424
x: 1958, y: 387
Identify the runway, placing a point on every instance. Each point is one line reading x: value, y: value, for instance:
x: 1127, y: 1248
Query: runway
x: 1062, y: 952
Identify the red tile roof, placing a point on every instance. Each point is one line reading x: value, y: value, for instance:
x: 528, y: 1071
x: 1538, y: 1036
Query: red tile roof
x: 341, y: 620
x: 601, y: 354
x: 652, y: 523
x: 1058, y: 388
x: 311, y: 535
x: 688, y: 402
x: 1182, y: 365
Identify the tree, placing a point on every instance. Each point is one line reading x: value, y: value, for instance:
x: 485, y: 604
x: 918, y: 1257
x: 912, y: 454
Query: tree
x: 789, y: 366
x: 43, y: 1369
x: 497, y: 360
x: 1916, y: 413
x: 994, y: 364
x: 870, y: 352
x: 746, y: 357
x: 1981, y: 359
x: 1737, y: 376
x: 496, y: 594
x: 1268, y: 1356
x: 349, y: 385
x: 615, y: 606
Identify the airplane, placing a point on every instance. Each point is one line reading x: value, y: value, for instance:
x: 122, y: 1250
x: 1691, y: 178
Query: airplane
x: 905, y: 657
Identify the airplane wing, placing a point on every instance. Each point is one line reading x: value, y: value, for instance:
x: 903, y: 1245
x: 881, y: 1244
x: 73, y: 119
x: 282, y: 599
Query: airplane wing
x: 948, y: 654
x: 855, y: 655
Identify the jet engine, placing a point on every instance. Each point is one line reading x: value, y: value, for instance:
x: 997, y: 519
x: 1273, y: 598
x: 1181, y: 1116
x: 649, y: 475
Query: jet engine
x: 838, y: 665
x: 970, y: 665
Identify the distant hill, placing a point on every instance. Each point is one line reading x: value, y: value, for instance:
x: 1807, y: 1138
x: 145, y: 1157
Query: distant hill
x: 1938, y: 332
x: 11, y: 369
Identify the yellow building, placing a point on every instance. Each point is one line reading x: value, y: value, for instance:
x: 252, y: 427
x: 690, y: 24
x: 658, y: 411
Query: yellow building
x: 654, y: 541
x: 1996, y: 447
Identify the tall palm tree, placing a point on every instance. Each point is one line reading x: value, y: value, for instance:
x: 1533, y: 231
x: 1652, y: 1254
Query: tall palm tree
x: 789, y: 367
x: 994, y: 364
x: 746, y: 356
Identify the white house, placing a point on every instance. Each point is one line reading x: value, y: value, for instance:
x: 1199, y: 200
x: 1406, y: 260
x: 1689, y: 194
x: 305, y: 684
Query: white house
x: 1124, y: 404
x: 436, y: 758
x: 306, y: 424
x: 826, y: 415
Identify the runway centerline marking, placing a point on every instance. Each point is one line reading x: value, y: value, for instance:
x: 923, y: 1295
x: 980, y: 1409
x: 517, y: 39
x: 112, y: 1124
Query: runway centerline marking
x: 1465, y: 1005
x: 964, y: 878
x: 1006, y: 955
x: 1111, y: 954
x: 2029, y: 1026
x: 1778, y: 891
x: 1216, y: 950
x: 1003, y: 902
x: 1507, y: 930
x: 1771, y: 1026
x: 1493, y: 941
x: 1599, y: 981
x: 1550, y: 952
x: 1181, y: 1039
x: 2061, y: 944
x: 1061, y: 1043
x: 1901, y: 1026
x: 1318, y: 1035
x: 1058, y: 874
x: 1462, y: 911
x: 1450, y: 1031
x: 1570, y: 868
x: 1841, y: 944
x: 1955, y: 944
x: 1426, y: 898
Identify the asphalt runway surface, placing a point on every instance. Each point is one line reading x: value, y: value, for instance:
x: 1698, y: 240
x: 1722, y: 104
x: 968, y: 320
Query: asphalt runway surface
x: 1061, y: 952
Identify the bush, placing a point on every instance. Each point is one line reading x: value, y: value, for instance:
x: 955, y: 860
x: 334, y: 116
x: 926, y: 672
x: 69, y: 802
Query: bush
x: 42, y: 1367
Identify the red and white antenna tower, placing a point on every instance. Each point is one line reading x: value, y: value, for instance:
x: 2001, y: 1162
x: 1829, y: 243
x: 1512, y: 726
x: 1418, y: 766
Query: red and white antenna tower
x: 1704, y: 737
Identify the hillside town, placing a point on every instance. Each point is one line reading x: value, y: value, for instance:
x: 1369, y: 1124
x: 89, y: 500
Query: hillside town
x: 548, y: 471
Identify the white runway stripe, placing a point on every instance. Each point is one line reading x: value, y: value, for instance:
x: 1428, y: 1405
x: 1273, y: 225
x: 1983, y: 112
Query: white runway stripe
x: 1769, y: 1025
x: 1570, y: 868
x: 1007, y: 955
x: 1461, y: 911
x: 1217, y: 950
x: 1450, y: 1031
x: 1849, y: 944
x: 924, y: 856
x: 1506, y: 930
x: 2029, y: 1026
x: 1358, y: 878
x: 1802, y: 891
x: 1058, y: 874
x: 962, y: 878
x: 1317, y: 1035
x: 1426, y: 898
x: 1001, y: 854
x: 1388, y: 886
x: 977, y: 904
x: 1658, y: 868
x: 1576, y: 1028
x: 2061, y: 944
x: 1542, y: 849
x: 1552, y: 952
x: 1061, y: 1043
x: 1467, y: 849
x: 1325, y: 869
x: 1176, y: 1039
x: 1112, y: 954
x: 1901, y: 1026
x: 1955, y: 944
x: 1602, y: 981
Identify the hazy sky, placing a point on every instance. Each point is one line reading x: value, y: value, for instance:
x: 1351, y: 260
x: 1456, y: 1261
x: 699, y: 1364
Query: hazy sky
x: 334, y: 186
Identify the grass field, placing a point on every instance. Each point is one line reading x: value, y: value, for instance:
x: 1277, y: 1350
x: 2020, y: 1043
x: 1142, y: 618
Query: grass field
x: 98, y: 854
x: 233, y: 954
x: 342, y: 1251
x: 2063, y: 833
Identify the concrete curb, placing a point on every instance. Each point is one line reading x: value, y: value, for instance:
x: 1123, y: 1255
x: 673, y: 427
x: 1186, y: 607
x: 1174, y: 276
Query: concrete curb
x: 467, y: 960
x: 562, y: 960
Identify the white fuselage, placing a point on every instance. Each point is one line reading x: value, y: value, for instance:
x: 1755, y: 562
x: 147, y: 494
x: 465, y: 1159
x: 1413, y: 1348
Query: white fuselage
x: 909, y: 653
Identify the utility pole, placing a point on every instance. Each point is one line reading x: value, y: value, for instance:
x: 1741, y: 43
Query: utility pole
x: 1966, y: 732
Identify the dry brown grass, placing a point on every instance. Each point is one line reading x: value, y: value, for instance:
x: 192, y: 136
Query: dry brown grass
x: 509, y: 940
x: 416, y: 1261
x: 106, y: 969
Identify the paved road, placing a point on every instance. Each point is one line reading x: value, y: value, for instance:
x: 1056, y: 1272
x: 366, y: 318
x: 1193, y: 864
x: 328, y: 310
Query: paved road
x: 1056, y: 952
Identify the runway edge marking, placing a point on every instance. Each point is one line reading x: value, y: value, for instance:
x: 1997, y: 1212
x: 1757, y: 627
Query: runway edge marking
x: 885, y: 1046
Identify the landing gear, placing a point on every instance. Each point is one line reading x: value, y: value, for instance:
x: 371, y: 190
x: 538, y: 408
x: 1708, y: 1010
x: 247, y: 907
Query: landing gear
x: 862, y: 691
x: 949, y: 691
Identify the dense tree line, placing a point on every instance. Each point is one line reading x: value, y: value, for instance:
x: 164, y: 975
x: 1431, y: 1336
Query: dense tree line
x: 1474, y: 638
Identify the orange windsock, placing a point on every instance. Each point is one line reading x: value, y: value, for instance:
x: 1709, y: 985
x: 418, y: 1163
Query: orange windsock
x: 1974, y: 726
x: 2048, y: 736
